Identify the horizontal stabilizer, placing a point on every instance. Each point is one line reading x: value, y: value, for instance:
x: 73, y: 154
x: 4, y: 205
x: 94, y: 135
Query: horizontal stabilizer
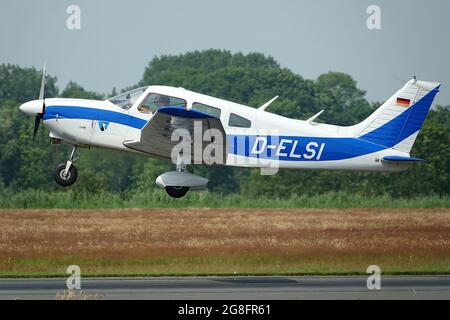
x: 401, y: 159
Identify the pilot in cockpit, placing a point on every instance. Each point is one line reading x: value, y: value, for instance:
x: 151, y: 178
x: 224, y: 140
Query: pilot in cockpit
x: 162, y: 101
x: 153, y: 102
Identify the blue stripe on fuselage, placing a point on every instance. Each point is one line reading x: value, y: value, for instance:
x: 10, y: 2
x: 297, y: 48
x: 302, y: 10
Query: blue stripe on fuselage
x: 295, y: 148
x: 285, y: 148
x: 72, y: 112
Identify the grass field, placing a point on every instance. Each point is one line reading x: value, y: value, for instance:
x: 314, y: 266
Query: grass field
x: 223, y: 241
x: 157, y: 198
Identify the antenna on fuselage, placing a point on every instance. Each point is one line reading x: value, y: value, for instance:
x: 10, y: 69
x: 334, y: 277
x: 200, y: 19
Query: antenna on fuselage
x: 314, y: 117
x: 268, y: 103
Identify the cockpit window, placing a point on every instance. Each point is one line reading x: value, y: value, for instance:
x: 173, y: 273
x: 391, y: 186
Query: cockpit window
x: 238, y: 121
x: 212, y: 111
x: 127, y: 99
x: 154, y: 101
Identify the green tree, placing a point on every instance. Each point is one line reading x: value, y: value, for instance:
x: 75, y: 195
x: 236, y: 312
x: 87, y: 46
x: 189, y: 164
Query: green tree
x: 24, y: 163
x: 74, y: 90
x: 23, y: 84
x: 250, y: 79
x: 343, y: 102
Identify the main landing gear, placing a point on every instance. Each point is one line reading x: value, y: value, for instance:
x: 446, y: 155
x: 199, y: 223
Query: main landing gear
x: 178, y: 183
x: 179, y: 191
x: 65, y: 173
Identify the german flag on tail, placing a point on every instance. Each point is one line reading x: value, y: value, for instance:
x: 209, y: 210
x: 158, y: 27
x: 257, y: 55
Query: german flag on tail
x: 403, y: 102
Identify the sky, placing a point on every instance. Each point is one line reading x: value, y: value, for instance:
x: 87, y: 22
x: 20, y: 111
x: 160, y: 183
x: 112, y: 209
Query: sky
x: 118, y: 38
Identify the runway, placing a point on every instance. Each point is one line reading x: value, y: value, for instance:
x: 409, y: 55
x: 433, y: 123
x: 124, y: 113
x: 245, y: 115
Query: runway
x: 234, y: 288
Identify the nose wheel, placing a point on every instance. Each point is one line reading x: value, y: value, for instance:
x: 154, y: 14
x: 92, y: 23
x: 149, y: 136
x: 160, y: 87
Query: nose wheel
x: 66, y: 174
x: 65, y: 179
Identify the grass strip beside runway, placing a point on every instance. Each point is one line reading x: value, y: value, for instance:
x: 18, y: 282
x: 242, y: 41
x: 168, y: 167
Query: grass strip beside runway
x: 224, y: 241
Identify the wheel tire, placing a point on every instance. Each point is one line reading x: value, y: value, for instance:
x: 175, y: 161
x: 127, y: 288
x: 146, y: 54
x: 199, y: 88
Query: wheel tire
x: 71, y: 175
x: 177, y: 192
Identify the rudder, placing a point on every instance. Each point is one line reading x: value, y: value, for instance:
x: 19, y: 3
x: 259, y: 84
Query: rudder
x: 396, y: 123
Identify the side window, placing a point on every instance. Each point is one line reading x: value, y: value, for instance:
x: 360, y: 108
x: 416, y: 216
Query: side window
x: 238, y: 121
x: 154, y: 101
x: 212, y: 111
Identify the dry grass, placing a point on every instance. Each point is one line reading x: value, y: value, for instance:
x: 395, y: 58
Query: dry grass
x: 215, y: 241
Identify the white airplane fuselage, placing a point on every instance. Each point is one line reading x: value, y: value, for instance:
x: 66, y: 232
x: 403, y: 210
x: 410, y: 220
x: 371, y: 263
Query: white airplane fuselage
x: 271, y: 140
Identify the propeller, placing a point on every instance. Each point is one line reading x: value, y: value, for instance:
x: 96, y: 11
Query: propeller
x: 40, y: 115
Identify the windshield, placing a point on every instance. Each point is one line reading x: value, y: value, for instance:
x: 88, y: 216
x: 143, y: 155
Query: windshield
x: 127, y: 99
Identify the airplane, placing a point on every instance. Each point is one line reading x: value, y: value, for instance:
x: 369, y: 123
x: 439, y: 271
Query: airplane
x: 156, y: 120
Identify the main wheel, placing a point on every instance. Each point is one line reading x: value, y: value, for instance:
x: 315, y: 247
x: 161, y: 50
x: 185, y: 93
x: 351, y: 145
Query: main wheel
x: 63, y: 180
x: 177, y: 192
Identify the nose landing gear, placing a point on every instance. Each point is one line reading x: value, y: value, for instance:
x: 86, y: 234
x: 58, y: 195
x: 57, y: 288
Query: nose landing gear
x: 66, y: 174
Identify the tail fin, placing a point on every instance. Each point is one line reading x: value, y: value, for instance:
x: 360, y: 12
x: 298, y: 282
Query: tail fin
x: 397, y: 122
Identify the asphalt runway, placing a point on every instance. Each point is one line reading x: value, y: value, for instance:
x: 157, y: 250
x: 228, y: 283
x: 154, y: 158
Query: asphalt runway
x: 234, y: 288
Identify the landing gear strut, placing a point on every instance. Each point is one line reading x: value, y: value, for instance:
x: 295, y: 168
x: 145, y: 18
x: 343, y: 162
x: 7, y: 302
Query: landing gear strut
x: 65, y: 173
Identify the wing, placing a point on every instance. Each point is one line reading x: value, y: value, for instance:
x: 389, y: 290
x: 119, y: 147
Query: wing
x: 156, y: 136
